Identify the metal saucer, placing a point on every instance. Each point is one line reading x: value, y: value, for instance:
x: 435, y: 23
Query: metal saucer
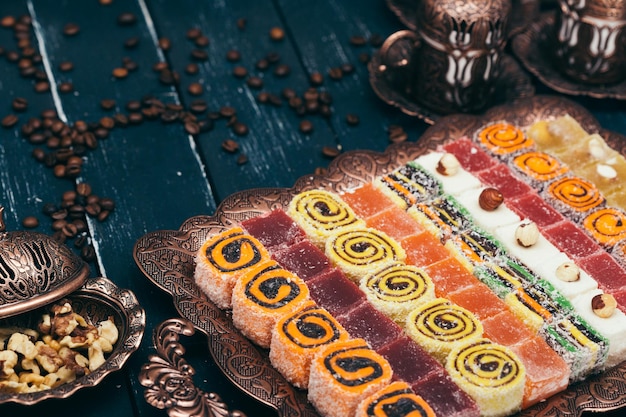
x: 532, y: 47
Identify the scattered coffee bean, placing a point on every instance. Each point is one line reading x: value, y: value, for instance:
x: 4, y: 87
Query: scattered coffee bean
x: 233, y: 55
x: 195, y: 89
x: 199, y: 55
x: 30, y: 222
x: 19, y: 104
x: 306, y: 126
x: 397, y: 134
x: 330, y: 152
x: 282, y: 70
x: 107, y: 104
x: 83, y: 189
x: 335, y: 73
x: 352, y: 119
x: 254, y: 82
x: 71, y: 29
x: 88, y: 253
x: 227, y: 111
x: 42, y: 87
x: 242, y: 159
x: 357, y: 40
x: 262, y: 64
x: 240, y: 129
x: 7, y: 21
x: 126, y: 19
x: 277, y: 34
x: 202, y: 41
x: 193, y: 33
x: 9, y: 120
x: 316, y: 78
x: 66, y: 87
x: 165, y: 44
x: 192, y: 69
x: 66, y: 66
x: 192, y: 128
x: 230, y: 146
x: 120, y: 72
x: 131, y: 43
x: 240, y: 72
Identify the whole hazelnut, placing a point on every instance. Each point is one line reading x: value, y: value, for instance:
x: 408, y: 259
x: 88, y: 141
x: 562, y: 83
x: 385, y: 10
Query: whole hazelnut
x: 527, y: 234
x: 568, y: 272
x: 448, y: 165
x: 603, y: 305
x: 490, y: 199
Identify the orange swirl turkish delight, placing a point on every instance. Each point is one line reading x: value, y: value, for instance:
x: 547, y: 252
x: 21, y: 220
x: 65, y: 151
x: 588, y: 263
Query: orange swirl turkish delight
x: 503, y: 138
x: 397, y: 289
x: 395, y: 400
x: 345, y: 373
x: 298, y: 336
x: 539, y: 165
x: 358, y: 251
x: 320, y: 213
x: 606, y: 225
x: 491, y: 374
x: 439, y: 326
x: 576, y: 193
x: 263, y: 296
x: 222, y: 259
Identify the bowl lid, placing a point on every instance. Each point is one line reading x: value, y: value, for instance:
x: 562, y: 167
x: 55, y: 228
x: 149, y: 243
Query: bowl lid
x: 35, y: 270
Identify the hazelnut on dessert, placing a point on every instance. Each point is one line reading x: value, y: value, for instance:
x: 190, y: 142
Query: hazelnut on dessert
x: 568, y: 272
x: 527, y: 234
x: 448, y: 165
x: 490, y: 199
x: 603, y: 305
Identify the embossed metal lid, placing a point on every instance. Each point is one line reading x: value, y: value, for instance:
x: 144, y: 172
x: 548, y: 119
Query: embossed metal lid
x: 35, y: 270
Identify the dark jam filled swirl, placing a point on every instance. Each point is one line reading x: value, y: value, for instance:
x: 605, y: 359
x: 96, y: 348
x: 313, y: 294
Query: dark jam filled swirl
x: 273, y: 287
x: 355, y: 366
x: 323, y: 210
x: 486, y: 364
x: 311, y: 328
x: 362, y: 247
x: 398, y: 400
x: 398, y: 283
x: 234, y: 251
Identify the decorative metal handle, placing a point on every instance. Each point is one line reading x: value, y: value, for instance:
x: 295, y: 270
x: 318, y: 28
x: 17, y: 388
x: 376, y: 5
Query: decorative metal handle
x: 168, y: 377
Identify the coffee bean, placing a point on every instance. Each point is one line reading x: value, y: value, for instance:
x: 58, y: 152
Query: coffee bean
x: 120, y: 72
x: 240, y: 72
x: 83, y: 189
x: 66, y: 87
x: 42, y: 87
x: 135, y: 118
x: 227, y: 111
x: 69, y: 230
x: 396, y: 134
x: 277, y: 34
x: 71, y: 29
x: 199, y: 55
x: 263, y: 97
x: 193, y: 33
x: 233, y: 55
x: 357, y: 40
x: 254, y: 82
x: 129, y: 64
x: 230, y: 145
x: 262, y: 64
x: 30, y: 222
x: 39, y: 154
x: 131, y: 43
x: 165, y: 44
x: 240, y: 129
x: 104, y: 214
x: 88, y: 253
x: 195, y: 89
x: 80, y: 241
x: 19, y: 104
x: 192, y: 69
x: 335, y: 73
x: 316, y: 78
x: 282, y: 70
x: 242, y: 159
x: 330, y: 152
x: 347, y: 68
x: 107, y: 104
x: 93, y: 209
x: 126, y: 19
x: 169, y: 77
x: 7, y: 21
x: 66, y: 66
x: 192, y: 128
x: 107, y: 204
x: 9, y: 120
x: 202, y: 41
x: 306, y: 126
x: 198, y: 106
x: 107, y: 122
x: 352, y: 119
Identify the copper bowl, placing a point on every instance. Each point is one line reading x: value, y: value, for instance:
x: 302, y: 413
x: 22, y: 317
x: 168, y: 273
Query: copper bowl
x: 97, y: 300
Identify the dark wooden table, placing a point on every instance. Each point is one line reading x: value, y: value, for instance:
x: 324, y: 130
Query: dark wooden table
x: 159, y: 170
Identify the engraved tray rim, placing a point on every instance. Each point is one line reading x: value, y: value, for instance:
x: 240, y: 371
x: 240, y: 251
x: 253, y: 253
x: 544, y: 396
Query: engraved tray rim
x: 165, y: 258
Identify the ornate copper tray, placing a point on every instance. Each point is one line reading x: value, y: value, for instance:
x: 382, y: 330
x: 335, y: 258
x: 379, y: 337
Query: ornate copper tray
x: 533, y: 48
x: 166, y: 258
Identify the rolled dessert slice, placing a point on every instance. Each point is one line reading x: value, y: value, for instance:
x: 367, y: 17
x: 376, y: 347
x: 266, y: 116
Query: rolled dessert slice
x: 398, y: 289
x: 408, y: 185
x: 357, y: 251
x: 298, y: 336
x: 489, y: 373
x: 343, y: 374
x: 321, y: 213
x: 263, y: 296
x: 439, y: 326
x: 395, y: 400
x: 223, y: 259
x: 503, y: 139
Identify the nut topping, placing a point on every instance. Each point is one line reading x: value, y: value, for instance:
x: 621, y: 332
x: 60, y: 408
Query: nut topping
x: 606, y: 171
x: 603, y: 305
x: 568, y: 272
x: 490, y: 199
x: 527, y: 234
x: 448, y: 165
